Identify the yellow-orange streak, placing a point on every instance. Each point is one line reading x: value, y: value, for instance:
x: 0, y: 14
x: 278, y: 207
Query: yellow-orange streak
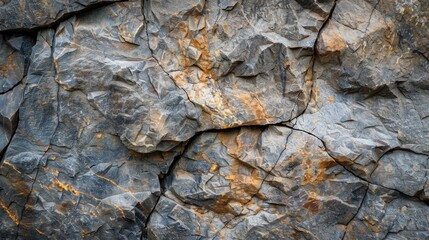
x: 40, y: 232
x: 12, y: 166
x: 116, y: 185
x: 120, y: 210
x: 9, y: 212
x: 68, y: 187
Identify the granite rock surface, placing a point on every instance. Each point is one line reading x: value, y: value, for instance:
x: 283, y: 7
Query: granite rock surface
x: 214, y: 119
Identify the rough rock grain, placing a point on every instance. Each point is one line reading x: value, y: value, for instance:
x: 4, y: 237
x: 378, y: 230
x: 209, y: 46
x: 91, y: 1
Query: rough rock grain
x: 30, y: 14
x: 214, y: 119
x: 250, y: 183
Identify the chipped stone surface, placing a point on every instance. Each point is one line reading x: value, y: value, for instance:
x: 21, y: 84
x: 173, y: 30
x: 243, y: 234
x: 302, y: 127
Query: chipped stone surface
x: 386, y: 214
x: 231, y: 61
x: 204, y: 119
x: 370, y: 85
x: 249, y: 183
x: 15, y: 51
x: 29, y: 14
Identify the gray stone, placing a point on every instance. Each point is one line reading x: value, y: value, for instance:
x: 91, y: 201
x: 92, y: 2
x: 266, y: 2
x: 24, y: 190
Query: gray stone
x: 10, y: 103
x: 232, y: 63
x: 30, y: 14
x: 65, y: 173
x: 210, y: 119
x: 369, y: 85
x: 275, y: 183
x: 402, y: 170
x: 385, y: 214
x: 16, y: 52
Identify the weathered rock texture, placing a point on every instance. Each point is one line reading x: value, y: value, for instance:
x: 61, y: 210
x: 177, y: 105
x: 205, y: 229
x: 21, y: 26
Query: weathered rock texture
x: 214, y: 119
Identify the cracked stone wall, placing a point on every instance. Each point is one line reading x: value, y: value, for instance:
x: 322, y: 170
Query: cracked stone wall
x: 214, y: 119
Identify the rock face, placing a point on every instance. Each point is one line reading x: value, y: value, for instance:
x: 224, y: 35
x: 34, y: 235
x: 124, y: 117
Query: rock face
x: 226, y: 119
x: 31, y: 14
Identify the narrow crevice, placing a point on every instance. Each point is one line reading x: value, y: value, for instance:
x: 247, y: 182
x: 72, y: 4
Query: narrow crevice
x: 421, y: 54
x: 310, y: 70
x: 163, y: 178
x: 11, y: 88
x: 12, y: 134
x: 146, y: 22
x: 391, y: 150
x: 50, y: 141
x: 370, y: 16
x: 357, y: 212
x: 351, y: 171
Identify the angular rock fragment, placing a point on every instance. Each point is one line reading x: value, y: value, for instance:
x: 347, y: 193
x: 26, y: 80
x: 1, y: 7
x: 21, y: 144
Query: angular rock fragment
x: 107, y: 59
x: 241, y: 62
x: 252, y: 183
x: 30, y: 14
x: 370, y: 86
x: 386, y: 214
x: 10, y: 103
x: 212, y: 119
x: 15, y: 51
x: 65, y: 172
x: 404, y: 171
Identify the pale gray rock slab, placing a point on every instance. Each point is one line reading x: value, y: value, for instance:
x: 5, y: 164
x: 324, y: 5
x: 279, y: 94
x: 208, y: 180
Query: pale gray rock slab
x: 404, y: 171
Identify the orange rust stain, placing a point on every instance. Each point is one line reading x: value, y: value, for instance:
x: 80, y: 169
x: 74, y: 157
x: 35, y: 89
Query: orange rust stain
x: 243, y: 186
x: 314, y: 167
x: 200, y: 42
x: 9, y: 212
x: 9, y: 65
x: 316, y: 91
x: 331, y: 42
x: 199, y: 212
x: 20, y: 186
x: 317, y: 174
x: 65, y: 206
x: 331, y: 99
x: 253, y: 104
x: 68, y: 187
x: 64, y: 187
x: 204, y: 62
x: 244, y: 181
x: 312, y: 205
x: 214, y: 168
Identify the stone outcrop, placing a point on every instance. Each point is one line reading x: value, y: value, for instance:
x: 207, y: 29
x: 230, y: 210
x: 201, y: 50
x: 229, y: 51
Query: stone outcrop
x: 229, y: 119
